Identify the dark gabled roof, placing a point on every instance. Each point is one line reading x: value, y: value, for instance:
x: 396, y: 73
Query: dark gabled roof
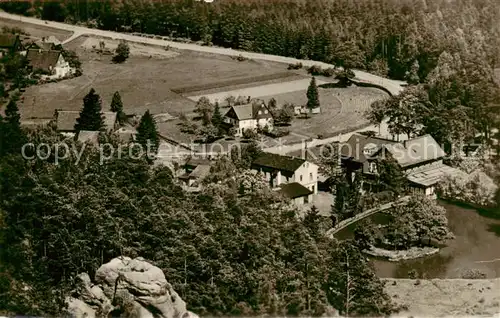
x: 194, y: 162
x: 88, y: 136
x: 283, y: 163
x: 42, y: 60
x: 355, y: 147
x: 294, y: 190
x: 8, y: 40
x: 44, y: 46
x: 248, y: 111
x: 66, y: 120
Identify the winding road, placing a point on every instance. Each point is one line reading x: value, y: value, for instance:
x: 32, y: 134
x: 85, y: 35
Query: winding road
x: 395, y: 87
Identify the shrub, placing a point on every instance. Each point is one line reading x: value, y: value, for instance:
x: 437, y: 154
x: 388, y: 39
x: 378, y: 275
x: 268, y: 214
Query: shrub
x: 329, y: 72
x: 476, y: 188
x: 315, y: 70
x: 250, y: 134
x: 296, y: 66
x: 122, y: 52
x: 277, y: 132
x: 473, y: 274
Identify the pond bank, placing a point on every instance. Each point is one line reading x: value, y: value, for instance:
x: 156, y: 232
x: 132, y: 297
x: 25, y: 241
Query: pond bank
x: 396, y: 256
x: 475, y: 247
x: 445, y: 297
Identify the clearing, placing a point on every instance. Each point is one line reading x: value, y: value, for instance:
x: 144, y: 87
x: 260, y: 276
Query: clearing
x: 445, y: 297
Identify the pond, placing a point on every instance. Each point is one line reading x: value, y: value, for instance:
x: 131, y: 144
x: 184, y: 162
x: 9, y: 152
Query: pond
x: 476, y: 246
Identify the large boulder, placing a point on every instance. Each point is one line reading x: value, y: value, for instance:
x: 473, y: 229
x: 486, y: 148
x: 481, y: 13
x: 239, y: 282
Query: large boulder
x: 128, y: 287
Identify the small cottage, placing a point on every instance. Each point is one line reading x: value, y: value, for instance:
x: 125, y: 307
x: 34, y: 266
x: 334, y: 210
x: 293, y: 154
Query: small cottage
x: 50, y: 62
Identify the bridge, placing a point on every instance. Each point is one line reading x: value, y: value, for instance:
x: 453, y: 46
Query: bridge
x: 345, y: 223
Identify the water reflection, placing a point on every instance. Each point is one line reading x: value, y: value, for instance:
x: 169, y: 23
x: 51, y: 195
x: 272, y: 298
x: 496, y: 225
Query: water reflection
x: 476, y: 246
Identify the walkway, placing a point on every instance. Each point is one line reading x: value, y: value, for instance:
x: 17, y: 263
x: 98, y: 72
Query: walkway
x: 392, y: 85
x: 345, y: 223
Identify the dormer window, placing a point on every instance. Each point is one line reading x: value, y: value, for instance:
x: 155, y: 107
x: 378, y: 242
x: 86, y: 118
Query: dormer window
x: 370, y: 149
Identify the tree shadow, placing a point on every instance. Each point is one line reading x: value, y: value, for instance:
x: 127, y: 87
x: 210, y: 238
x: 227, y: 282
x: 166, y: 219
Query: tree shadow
x: 490, y: 213
x: 338, y: 84
x: 494, y: 228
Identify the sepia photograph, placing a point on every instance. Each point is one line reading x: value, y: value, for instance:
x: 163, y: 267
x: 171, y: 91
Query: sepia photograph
x: 249, y: 158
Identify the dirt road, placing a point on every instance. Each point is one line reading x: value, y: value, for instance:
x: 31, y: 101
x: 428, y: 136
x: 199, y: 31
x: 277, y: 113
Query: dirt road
x: 393, y: 86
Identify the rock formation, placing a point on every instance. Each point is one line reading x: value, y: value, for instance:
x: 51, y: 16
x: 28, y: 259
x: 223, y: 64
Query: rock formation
x: 126, y: 287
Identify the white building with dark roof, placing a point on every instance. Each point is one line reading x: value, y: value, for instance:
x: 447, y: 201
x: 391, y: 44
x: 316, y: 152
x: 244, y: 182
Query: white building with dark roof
x: 250, y: 116
x: 279, y: 170
x: 420, y: 158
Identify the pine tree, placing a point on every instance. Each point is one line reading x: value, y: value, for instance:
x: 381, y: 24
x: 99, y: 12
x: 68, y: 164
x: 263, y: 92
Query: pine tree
x: 312, y: 95
x: 90, y: 116
x: 12, y: 136
x: 117, y: 107
x: 412, y: 75
x: 312, y: 221
x: 217, y: 116
x: 12, y: 115
x: 147, y: 131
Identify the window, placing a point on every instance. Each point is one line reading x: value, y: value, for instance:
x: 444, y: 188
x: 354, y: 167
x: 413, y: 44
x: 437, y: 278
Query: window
x: 306, y: 164
x: 300, y: 177
x: 265, y: 111
x: 260, y: 112
x: 373, y: 167
x: 310, y: 176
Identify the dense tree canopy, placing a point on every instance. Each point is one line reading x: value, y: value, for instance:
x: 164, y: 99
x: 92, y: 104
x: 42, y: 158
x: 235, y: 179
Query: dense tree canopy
x: 402, y: 39
x: 234, y: 248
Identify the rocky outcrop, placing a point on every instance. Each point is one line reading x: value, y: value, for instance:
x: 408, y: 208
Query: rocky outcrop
x: 126, y: 287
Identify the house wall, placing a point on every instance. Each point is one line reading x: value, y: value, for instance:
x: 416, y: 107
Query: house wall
x: 62, y: 68
x: 245, y: 124
x: 265, y: 121
x: 309, y: 173
x: 298, y: 201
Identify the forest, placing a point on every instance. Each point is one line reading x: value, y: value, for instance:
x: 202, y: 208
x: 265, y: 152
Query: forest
x: 233, y: 249
x: 401, y: 39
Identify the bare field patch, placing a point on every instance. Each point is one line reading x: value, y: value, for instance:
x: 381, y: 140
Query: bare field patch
x: 445, y: 297
x: 220, y: 87
x: 261, y: 90
x: 36, y: 31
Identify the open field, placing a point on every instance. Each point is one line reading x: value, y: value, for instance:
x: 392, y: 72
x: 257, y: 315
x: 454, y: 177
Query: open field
x: 89, y: 43
x: 214, y: 88
x: 341, y: 109
x: 144, y: 83
x: 261, y: 90
x: 36, y: 31
x: 446, y: 297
